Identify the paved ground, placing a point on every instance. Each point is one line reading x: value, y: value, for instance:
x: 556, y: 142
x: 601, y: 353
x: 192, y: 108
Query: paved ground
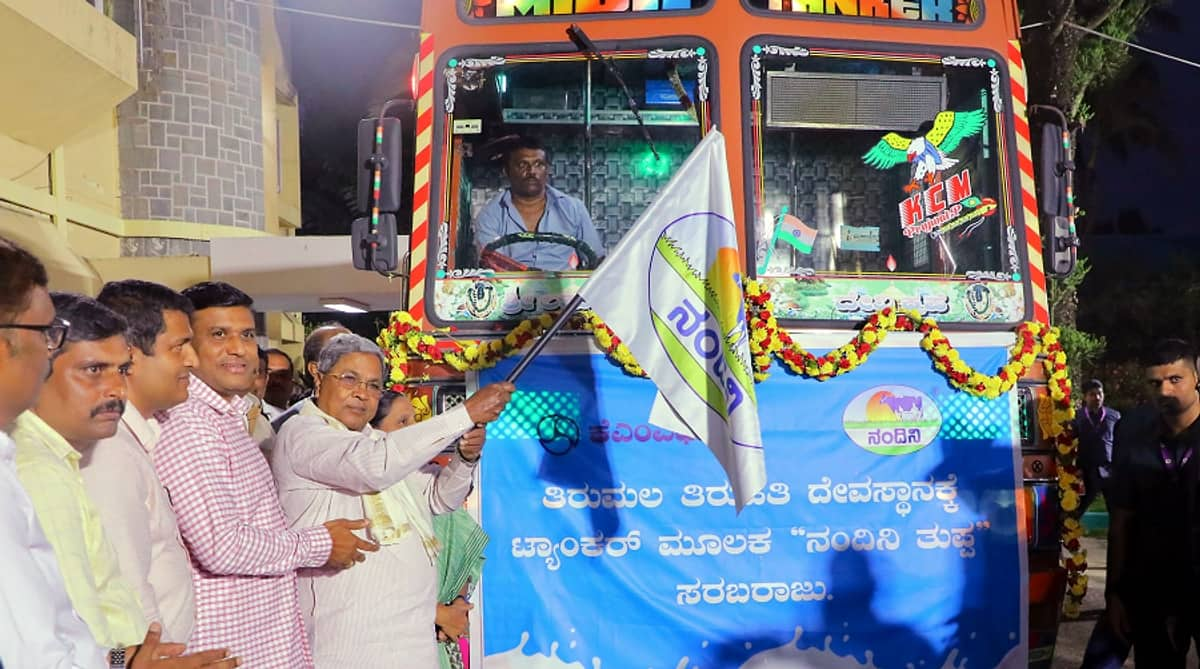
x: 1073, y: 635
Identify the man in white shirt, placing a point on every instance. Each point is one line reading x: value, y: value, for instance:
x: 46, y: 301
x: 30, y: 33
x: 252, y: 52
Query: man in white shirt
x: 38, y: 626
x: 119, y: 471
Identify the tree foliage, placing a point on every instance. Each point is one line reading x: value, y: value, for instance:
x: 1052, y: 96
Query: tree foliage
x: 1144, y: 306
x: 1089, y: 78
x: 1068, y: 67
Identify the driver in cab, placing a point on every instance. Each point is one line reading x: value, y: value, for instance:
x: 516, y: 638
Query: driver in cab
x: 531, y: 205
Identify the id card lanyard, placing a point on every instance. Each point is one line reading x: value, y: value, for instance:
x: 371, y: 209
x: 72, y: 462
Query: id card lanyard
x: 1169, y: 461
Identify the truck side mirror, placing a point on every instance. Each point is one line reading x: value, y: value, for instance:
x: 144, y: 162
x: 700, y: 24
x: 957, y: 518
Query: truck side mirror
x: 373, y: 237
x: 379, y: 147
x: 1064, y: 245
x: 1056, y: 197
x: 374, y: 248
x: 1056, y: 170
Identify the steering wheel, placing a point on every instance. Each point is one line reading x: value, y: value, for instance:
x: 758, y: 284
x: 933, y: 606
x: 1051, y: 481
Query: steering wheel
x: 587, y: 256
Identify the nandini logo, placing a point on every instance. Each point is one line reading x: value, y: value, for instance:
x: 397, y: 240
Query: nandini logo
x: 892, y: 420
x: 700, y: 317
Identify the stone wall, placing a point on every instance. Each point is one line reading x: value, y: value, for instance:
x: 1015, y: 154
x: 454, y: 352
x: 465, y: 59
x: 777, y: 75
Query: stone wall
x: 191, y: 138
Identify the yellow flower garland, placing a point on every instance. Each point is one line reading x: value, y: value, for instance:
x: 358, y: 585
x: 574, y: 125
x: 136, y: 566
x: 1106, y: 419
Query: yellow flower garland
x: 403, y: 340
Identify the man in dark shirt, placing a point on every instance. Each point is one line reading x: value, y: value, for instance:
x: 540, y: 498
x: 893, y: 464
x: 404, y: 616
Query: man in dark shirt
x: 1094, y: 425
x: 1153, y: 591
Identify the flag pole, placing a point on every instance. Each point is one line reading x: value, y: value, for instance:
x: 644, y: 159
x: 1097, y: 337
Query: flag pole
x: 762, y: 269
x: 540, y: 344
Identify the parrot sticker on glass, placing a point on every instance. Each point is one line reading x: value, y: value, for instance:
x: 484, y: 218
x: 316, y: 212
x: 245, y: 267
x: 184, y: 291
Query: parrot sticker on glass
x: 939, y: 196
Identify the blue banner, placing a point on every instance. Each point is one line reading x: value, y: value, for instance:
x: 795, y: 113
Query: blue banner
x: 886, y: 536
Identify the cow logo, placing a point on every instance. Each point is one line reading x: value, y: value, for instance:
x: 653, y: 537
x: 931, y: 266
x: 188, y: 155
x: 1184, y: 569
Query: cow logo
x: 481, y: 299
x: 979, y: 301
x: 892, y: 420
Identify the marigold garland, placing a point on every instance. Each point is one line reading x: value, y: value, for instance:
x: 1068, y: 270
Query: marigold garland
x: 403, y: 339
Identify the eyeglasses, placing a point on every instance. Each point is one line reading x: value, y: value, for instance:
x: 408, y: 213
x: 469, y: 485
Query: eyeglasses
x: 56, y: 332
x: 351, y: 382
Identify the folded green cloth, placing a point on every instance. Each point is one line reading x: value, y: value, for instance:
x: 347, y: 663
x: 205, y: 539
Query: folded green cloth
x: 460, y: 563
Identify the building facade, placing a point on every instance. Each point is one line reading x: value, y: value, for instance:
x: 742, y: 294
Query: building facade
x: 139, y: 131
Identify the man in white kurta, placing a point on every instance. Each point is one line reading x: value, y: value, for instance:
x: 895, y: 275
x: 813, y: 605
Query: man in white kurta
x: 381, y: 612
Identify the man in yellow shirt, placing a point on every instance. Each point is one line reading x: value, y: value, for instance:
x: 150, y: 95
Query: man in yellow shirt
x: 81, y: 403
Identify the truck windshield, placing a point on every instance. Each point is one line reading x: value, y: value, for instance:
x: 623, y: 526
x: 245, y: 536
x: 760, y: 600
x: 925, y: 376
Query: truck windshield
x: 548, y: 168
x: 880, y: 177
x: 878, y: 167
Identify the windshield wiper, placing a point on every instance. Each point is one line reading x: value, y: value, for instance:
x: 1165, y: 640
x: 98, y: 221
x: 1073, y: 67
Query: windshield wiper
x: 585, y: 45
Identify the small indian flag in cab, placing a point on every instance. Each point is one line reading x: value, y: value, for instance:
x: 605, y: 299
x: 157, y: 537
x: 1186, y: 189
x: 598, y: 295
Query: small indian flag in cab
x: 793, y: 231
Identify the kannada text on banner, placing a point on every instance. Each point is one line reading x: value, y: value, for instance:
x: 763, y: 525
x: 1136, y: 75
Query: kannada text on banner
x: 886, y: 536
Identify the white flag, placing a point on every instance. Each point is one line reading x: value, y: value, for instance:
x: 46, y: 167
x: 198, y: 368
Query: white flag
x: 672, y: 290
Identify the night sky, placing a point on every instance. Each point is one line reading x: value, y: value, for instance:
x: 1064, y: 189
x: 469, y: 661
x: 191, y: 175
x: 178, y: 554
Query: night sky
x: 1160, y: 185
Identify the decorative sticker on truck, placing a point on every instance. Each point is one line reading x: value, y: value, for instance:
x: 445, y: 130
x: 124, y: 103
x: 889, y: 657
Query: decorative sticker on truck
x: 482, y: 295
x: 967, y: 12
x: 488, y: 297
x: 518, y: 9
x: 854, y: 298
x: 940, y: 196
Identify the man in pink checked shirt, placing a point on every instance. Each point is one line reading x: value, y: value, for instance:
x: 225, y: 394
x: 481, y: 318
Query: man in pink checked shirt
x: 244, y: 557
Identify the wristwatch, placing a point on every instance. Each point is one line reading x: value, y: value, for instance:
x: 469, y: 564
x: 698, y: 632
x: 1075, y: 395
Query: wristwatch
x: 116, y: 658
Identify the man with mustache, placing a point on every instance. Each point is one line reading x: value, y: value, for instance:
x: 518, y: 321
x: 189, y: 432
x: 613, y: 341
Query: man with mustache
x: 1153, y: 587
x: 257, y: 423
x: 531, y: 204
x: 244, y: 556
x: 119, y: 471
x: 80, y: 404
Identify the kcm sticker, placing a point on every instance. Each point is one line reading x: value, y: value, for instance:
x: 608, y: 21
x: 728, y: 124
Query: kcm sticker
x: 892, y: 420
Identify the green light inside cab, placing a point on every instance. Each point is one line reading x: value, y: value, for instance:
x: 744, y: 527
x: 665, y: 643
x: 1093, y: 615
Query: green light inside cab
x: 645, y: 165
